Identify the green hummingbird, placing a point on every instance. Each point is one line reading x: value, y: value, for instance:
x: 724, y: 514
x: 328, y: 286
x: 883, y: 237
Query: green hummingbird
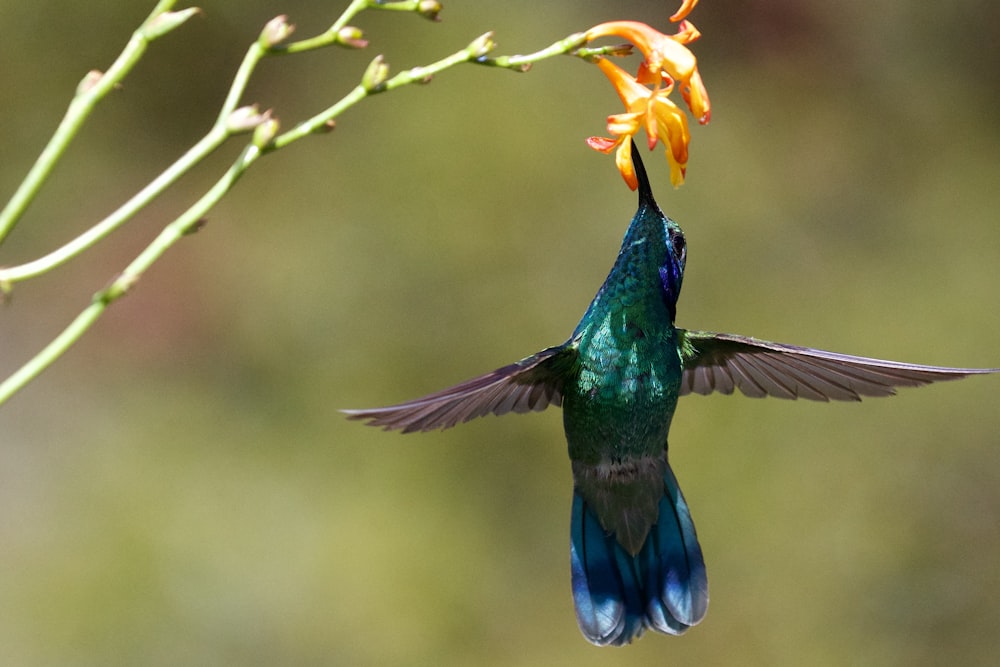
x: 634, y: 554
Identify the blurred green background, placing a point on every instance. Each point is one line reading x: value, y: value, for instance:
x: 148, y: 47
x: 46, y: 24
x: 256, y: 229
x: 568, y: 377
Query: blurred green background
x: 180, y: 489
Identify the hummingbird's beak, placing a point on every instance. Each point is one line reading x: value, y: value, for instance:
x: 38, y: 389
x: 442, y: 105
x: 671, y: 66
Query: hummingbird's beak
x: 645, y: 191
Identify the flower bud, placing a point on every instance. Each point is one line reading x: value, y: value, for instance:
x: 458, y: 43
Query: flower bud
x: 89, y: 81
x: 167, y: 21
x: 352, y: 37
x: 429, y: 9
x: 265, y: 132
x: 375, y: 75
x: 246, y: 118
x: 482, y: 45
x: 275, y: 31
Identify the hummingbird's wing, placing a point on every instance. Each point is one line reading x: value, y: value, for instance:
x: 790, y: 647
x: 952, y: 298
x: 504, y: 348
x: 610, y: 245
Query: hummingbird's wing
x: 758, y: 368
x: 533, y: 383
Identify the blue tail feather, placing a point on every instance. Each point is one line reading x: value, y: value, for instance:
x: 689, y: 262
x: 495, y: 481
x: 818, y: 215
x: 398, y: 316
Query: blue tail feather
x: 663, y: 587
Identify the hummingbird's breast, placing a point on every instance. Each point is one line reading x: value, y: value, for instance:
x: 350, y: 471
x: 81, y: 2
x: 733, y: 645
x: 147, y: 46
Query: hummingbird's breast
x: 623, y: 397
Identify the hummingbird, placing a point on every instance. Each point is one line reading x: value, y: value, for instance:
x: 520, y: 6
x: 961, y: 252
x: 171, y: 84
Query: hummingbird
x: 635, y: 559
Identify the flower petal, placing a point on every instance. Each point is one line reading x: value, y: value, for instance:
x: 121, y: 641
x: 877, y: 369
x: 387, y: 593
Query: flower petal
x: 686, y: 33
x: 623, y: 159
x: 677, y: 170
x: 624, y: 123
x: 696, y: 96
x: 652, y: 129
x: 659, y: 50
x: 673, y: 57
x: 672, y: 127
x: 686, y: 7
x: 661, y: 79
x: 629, y: 90
x: 602, y: 144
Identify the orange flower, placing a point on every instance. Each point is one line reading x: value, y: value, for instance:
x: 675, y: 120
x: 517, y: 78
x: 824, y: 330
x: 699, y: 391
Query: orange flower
x: 649, y: 109
x: 666, y: 60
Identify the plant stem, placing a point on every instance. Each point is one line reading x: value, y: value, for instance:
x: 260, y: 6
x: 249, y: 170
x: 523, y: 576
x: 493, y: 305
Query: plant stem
x: 328, y: 37
x: 223, y: 128
x: 208, y: 143
x: 91, y: 90
x: 128, y: 277
x: 522, y: 63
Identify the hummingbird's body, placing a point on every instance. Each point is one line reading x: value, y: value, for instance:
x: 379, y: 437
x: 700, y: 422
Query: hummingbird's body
x: 635, y: 558
x: 618, y: 405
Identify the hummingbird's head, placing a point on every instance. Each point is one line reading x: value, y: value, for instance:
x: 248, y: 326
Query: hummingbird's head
x: 672, y: 261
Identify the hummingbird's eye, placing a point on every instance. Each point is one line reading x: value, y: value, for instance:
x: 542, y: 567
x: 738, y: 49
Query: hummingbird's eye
x: 680, y: 248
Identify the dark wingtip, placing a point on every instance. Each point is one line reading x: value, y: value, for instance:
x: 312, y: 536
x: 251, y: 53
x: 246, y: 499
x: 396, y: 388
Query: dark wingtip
x: 645, y: 191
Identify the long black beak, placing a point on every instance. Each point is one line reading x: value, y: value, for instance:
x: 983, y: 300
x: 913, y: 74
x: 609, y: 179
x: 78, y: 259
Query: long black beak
x: 645, y: 192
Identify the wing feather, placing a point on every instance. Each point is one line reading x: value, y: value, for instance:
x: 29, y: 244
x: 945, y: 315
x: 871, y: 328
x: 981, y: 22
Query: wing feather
x: 758, y: 368
x: 531, y: 384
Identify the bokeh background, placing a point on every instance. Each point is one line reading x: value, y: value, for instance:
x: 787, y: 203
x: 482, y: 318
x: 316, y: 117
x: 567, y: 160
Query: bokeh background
x: 180, y: 488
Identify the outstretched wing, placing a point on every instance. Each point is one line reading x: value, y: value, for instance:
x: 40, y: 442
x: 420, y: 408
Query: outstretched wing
x: 722, y: 362
x: 533, y: 383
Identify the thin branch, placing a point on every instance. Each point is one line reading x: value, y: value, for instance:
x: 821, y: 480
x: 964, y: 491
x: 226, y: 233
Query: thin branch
x: 231, y: 120
x: 92, y: 89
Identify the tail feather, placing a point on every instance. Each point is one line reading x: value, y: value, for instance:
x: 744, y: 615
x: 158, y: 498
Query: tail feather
x: 663, y: 587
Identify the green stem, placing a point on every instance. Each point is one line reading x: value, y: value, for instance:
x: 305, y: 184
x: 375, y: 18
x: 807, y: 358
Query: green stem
x: 414, y: 75
x: 88, y: 94
x: 522, y: 63
x: 189, y: 220
x: 424, y: 74
x: 52, y: 351
x: 208, y: 143
x: 330, y: 36
x: 184, y: 224
x: 215, y: 138
x: 75, y: 117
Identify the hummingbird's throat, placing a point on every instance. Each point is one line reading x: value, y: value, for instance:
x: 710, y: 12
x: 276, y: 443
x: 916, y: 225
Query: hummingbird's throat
x: 625, y: 495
